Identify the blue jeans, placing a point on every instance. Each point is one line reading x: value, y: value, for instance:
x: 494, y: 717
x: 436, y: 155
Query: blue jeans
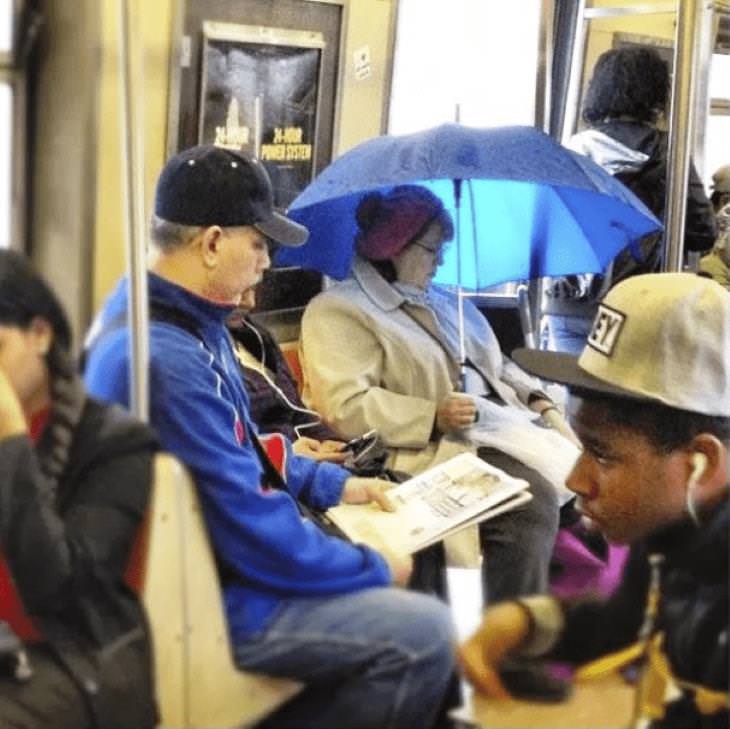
x: 566, y: 333
x: 381, y: 658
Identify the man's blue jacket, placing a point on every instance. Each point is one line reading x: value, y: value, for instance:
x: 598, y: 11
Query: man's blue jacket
x: 199, y: 406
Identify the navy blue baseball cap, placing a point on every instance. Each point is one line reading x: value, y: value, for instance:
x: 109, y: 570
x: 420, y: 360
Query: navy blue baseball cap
x: 209, y: 185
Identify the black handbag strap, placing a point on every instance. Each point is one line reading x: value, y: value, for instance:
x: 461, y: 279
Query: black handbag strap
x: 275, y: 480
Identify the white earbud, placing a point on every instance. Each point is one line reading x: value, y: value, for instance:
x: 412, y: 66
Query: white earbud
x: 699, y: 464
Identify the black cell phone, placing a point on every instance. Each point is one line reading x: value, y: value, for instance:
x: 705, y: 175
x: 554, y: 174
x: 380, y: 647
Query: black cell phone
x: 531, y: 681
x: 357, y: 445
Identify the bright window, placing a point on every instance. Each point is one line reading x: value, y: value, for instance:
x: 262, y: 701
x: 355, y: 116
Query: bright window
x: 478, y: 54
x: 6, y: 118
x: 717, y: 132
x: 6, y: 26
x: 720, y: 76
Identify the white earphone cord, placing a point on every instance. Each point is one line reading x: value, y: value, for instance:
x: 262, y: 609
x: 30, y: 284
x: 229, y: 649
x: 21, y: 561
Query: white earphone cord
x: 275, y: 387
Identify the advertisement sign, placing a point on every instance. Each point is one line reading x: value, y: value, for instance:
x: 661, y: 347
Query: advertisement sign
x: 259, y: 93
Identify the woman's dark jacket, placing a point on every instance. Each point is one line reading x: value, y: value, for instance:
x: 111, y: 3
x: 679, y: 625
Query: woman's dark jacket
x: 649, y: 183
x: 68, y: 549
x: 271, y: 410
x: 693, y: 613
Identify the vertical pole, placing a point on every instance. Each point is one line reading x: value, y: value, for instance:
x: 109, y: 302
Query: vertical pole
x: 680, y: 132
x: 524, y: 309
x: 257, y: 122
x: 132, y: 141
x: 572, y: 101
x: 543, y: 75
x: 459, y: 292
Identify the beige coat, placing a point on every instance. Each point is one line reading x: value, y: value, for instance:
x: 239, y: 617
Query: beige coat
x: 368, y: 364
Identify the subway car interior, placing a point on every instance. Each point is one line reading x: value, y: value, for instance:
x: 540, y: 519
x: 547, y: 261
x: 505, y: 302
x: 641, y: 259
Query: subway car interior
x: 98, y: 96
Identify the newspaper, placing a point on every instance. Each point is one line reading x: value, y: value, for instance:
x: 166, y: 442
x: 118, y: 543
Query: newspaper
x: 440, y: 501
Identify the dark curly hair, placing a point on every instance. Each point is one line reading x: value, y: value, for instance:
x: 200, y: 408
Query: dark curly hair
x: 629, y: 82
x: 666, y: 428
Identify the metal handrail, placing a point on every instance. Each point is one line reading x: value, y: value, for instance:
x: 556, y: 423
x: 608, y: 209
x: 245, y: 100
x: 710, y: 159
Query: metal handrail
x: 132, y: 141
x: 681, y: 124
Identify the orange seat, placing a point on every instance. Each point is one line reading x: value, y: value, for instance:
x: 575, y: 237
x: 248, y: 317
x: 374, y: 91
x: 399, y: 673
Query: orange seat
x: 290, y: 351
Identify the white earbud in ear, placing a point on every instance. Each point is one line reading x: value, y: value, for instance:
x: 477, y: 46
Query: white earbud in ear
x: 699, y: 464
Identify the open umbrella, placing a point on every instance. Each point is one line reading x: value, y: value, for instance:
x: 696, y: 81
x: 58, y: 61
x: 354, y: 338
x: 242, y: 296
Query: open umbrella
x: 527, y: 207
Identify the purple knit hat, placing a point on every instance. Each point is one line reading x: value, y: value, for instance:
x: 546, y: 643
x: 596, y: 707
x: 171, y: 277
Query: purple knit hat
x: 388, y: 222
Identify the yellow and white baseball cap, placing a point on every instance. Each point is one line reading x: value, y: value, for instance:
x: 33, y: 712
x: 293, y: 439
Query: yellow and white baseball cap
x: 662, y: 337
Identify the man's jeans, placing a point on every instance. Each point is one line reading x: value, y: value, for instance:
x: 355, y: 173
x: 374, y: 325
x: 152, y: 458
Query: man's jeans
x: 380, y: 658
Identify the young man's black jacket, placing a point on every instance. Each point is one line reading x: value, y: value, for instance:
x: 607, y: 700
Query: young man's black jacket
x: 693, y: 612
x: 68, y: 551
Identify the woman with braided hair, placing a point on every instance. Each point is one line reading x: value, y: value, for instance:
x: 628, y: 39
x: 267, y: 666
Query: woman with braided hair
x: 74, y: 484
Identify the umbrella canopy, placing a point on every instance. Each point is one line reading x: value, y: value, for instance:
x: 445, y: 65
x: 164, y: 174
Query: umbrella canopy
x: 529, y: 207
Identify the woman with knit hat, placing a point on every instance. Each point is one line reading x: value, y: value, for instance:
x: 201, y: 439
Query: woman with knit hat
x: 381, y: 350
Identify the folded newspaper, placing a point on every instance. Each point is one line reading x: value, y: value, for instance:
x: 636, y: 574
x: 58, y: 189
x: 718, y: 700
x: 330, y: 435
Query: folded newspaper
x: 440, y: 501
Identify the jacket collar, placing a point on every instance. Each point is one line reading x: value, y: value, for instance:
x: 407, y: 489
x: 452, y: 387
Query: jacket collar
x: 613, y: 155
x: 702, y: 549
x: 378, y: 290
x: 205, y: 312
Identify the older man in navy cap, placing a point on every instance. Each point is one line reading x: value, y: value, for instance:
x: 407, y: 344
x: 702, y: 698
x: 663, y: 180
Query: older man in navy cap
x: 301, y: 603
x: 651, y: 406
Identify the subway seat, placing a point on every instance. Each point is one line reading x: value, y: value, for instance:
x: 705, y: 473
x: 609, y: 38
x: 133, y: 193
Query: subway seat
x: 198, y: 685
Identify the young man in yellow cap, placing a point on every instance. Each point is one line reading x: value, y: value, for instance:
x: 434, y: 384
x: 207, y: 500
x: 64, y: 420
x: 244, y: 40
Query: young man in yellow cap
x: 651, y: 406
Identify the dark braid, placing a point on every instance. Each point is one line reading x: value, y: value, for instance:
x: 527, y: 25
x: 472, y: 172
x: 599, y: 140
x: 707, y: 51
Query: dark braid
x: 67, y: 402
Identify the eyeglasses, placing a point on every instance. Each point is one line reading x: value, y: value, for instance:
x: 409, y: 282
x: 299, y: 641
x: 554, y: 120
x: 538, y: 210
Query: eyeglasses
x: 439, y: 247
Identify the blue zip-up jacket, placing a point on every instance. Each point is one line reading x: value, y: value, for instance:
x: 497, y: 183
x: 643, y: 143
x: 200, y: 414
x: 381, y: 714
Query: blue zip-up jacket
x: 199, y: 406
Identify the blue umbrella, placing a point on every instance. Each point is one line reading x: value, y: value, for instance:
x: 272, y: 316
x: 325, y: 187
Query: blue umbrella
x: 528, y: 206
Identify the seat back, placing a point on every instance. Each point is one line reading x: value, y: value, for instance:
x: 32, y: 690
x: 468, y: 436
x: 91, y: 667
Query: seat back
x: 198, y: 684
x: 158, y: 573
x: 290, y: 350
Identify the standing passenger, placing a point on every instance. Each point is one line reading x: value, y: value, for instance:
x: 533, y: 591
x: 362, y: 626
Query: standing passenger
x: 626, y: 99
x: 300, y: 604
x: 74, y: 482
x: 716, y: 264
x: 720, y: 188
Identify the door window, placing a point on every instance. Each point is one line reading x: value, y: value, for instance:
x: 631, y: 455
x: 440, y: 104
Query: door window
x: 6, y: 119
x: 481, y: 56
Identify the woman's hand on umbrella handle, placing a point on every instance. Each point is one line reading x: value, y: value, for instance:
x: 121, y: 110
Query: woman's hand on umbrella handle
x: 455, y: 412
